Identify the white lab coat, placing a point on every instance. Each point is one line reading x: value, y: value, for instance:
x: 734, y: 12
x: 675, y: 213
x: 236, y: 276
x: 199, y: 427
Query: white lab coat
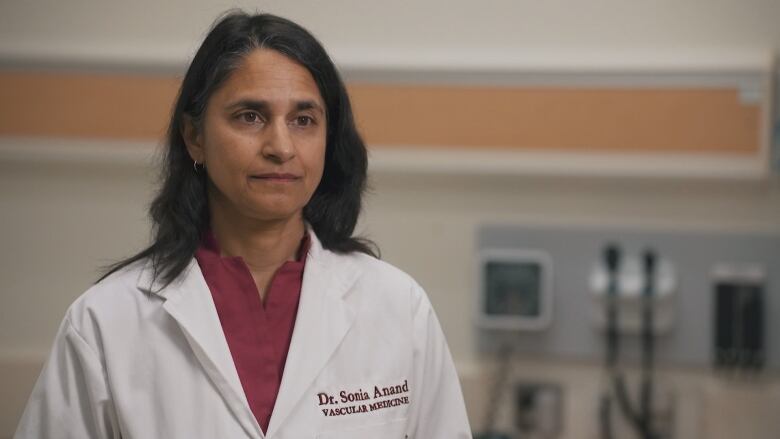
x: 135, y: 361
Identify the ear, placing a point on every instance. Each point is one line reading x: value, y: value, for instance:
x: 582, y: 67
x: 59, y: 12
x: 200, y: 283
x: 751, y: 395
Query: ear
x: 192, y: 138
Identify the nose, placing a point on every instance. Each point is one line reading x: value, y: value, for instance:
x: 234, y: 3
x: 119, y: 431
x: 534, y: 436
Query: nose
x: 278, y: 145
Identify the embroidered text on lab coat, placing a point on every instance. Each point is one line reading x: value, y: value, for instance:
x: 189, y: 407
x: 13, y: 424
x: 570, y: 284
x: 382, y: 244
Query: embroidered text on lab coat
x: 361, y: 401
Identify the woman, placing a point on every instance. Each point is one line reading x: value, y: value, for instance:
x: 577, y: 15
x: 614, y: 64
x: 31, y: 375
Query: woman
x: 254, y: 312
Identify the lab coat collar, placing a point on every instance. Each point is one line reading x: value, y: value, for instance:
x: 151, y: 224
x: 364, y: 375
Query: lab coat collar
x: 148, y: 283
x: 188, y: 301
x: 324, y: 317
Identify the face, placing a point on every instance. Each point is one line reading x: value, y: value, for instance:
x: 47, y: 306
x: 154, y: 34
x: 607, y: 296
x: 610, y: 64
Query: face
x: 262, y: 139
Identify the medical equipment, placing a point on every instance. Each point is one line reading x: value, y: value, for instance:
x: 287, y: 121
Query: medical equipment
x: 538, y: 408
x: 498, y: 387
x: 640, y: 416
x: 683, y: 324
x: 738, y: 317
x: 515, y: 297
x: 630, y: 279
x: 515, y: 290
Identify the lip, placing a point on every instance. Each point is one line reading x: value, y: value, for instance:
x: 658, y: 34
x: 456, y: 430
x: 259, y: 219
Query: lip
x: 276, y: 177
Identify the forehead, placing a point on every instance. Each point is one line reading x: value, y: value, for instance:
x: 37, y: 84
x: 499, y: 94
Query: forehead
x: 270, y: 76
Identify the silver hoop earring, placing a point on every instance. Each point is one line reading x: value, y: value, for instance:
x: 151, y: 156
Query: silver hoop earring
x: 195, y: 166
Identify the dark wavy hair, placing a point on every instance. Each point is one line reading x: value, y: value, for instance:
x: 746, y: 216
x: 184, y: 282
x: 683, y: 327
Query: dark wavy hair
x: 180, y: 213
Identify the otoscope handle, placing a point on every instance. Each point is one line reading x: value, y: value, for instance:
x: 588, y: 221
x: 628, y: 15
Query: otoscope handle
x: 649, y: 259
x: 612, y: 258
x: 646, y: 390
x: 612, y: 263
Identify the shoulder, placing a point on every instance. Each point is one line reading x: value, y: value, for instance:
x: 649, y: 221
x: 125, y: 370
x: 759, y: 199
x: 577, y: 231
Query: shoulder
x: 381, y: 282
x: 110, y: 300
x: 379, y: 270
x: 116, y: 287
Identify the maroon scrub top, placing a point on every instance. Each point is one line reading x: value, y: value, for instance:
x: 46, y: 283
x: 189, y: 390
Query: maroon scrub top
x: 258, y: 332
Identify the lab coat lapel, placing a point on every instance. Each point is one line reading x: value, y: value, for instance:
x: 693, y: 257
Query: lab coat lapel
x: 189, y: 302
x: 324, y: 317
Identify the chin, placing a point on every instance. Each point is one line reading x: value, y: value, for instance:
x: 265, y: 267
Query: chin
x: 277, y: 214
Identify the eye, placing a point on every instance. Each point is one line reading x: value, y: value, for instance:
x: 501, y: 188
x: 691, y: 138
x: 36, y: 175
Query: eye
x: 304, y: 121
x: 249, y: 117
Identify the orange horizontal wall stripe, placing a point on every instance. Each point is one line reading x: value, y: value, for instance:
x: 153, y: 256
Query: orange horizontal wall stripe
x: 555, y: 118
x: 85, y: 105
x: 559, y: 118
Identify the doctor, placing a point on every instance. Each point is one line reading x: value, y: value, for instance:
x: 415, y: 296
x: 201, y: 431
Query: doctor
x: 254, y: 313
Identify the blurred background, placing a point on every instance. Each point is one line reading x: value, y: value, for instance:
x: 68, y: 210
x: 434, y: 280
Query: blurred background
x: 539, y: 167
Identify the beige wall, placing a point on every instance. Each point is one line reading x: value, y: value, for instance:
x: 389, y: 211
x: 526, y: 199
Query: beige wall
x: 66, y: 213
x: 408, y: 32
x: 68, y: 208
x: 427, y: 225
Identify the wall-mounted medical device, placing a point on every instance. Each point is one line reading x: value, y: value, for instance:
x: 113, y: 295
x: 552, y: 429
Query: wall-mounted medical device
x: 684, y: 295
x: 631, y: 282
x: 738, y: 317
x: 515, y: 289
x: 623, y: 278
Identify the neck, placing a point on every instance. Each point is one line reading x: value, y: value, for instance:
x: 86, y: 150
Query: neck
x: 264, y: 245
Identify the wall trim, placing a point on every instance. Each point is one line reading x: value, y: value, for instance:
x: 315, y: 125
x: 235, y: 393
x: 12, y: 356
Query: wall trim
x: 171, y: 57
x: 405, y: 160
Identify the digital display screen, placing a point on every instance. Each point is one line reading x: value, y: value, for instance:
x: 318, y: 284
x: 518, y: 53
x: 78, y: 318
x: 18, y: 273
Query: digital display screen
x: 513, y: 288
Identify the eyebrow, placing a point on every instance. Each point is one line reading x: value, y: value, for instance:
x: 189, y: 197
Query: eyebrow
x: 262, y: 105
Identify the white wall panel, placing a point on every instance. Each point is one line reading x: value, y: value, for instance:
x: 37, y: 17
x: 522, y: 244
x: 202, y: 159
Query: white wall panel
x: 406, y: 32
